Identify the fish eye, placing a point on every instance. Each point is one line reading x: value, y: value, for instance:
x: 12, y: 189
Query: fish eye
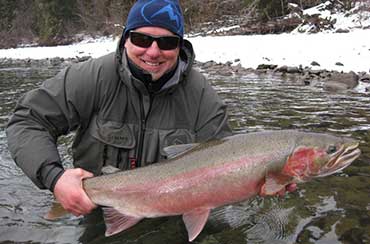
x: 331, y: 149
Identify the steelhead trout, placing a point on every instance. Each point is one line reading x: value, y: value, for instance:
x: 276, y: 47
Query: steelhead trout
x: 199, y: 177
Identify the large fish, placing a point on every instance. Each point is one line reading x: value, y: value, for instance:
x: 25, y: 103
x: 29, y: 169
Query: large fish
x: 200, y: 177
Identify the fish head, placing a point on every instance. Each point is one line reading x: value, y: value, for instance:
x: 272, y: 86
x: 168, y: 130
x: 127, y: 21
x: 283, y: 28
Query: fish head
x: 319, y: 155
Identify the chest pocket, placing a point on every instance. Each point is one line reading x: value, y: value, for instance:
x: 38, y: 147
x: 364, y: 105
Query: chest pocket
x: 118, y: 141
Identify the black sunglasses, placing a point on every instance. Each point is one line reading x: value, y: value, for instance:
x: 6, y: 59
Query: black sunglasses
x: 144, y: 40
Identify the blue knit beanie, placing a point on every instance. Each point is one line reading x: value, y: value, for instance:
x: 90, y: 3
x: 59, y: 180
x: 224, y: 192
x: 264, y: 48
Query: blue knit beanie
x: 159, y: 13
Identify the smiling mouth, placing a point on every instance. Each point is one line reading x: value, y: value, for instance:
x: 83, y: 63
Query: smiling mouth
x: 153, y: 64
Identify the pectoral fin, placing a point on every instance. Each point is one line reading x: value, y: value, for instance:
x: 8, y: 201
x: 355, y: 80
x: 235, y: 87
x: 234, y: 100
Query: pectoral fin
x: 274, y: 184
x: 195, y: 221
x: 116, y: 222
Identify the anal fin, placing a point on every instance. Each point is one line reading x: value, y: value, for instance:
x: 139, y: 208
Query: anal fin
x: 195, y: 221
x: 116, y: 222
x: 56, y: 212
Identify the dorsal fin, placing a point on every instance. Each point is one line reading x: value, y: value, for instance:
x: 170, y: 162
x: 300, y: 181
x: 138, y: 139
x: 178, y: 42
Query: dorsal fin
x: 109, y: 169
x: 178, y: 150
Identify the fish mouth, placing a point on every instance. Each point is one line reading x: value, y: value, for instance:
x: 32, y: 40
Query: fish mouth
x: 339, y: 160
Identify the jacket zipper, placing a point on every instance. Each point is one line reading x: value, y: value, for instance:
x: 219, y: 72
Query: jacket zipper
x: 139, y: 156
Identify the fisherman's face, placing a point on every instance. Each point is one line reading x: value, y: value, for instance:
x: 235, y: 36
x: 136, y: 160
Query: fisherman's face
x: 152, y: 59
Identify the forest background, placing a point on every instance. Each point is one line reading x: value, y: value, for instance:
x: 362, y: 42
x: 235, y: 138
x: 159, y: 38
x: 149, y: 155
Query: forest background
x: 56, y: 22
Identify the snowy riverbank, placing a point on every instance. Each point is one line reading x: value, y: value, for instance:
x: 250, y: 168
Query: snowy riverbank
x: 324, y: 50
x: 332, y: 51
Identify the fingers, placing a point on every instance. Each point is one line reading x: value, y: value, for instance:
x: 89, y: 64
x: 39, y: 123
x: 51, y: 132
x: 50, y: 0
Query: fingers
x: 281, y: 193
x: 85, y: 205
x: 70, y: 193
x: 86, y: 202
x: 291, y: 187
x: 79, y: 203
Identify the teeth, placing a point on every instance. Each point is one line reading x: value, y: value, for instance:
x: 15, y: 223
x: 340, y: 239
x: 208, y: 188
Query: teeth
x: 151, y: 64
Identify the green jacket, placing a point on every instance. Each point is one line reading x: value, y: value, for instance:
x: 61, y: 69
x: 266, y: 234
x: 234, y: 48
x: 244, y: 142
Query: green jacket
x: 116, y: 121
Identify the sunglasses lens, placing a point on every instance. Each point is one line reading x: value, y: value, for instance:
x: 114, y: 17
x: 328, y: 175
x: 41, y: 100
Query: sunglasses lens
x: 168, y: 42
x: 145, y: 41
x: 141, y: 40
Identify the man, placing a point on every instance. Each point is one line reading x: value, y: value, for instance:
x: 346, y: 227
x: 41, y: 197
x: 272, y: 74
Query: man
x: 125, y: 107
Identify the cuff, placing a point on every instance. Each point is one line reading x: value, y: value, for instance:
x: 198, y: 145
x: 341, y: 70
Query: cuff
x: 50, y: 174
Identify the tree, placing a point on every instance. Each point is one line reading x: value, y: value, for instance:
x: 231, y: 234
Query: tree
x: 51, y: 22
x: 7, y: 14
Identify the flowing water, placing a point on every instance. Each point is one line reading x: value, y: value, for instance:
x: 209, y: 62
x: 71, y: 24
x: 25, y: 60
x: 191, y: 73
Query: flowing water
x: 333, y: 209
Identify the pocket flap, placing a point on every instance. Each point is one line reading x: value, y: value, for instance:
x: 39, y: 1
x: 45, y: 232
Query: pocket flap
x: 113, y: 133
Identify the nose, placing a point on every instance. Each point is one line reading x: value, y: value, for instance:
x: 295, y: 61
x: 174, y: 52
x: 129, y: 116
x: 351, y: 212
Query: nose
x: 153, y: 50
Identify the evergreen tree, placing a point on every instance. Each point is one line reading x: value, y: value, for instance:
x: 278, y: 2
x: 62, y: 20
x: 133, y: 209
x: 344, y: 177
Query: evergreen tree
x: 7, y: 14
x: 53, y: 17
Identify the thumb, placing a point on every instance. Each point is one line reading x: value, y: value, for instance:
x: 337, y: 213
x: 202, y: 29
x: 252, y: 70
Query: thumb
x: 87, y: 174
x: 84, y: 173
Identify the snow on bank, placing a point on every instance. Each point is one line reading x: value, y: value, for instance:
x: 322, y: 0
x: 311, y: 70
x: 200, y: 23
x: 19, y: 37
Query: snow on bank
x: 332, y: 51
x: 356, y: 18
x: 352, y: 50
x: 94, y: 48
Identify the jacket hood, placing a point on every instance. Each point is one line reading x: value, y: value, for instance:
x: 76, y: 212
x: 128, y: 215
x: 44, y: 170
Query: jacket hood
x: 186, y: 60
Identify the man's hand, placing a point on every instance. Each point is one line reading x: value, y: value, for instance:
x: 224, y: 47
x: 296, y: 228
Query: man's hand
x: 69, y: 192
x: 289, y: 188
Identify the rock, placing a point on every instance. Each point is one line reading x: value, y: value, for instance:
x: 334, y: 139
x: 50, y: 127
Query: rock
x: 365, y: 78
x: 293, y: 70
x: 331, y: 80
x: 288, y: 69
x: 325, y: 75
x: 340, y: 30
x: 266, y: 66
x: 208, y: 64
x: 237, y: 68
x: 282, y: 69
x: 342, y: 81
x: 335, y: 86
x: 56, y: 61
x: 314, y: 63
x: 82, y: 59
x: 339, y: 64
x: 315, y: 72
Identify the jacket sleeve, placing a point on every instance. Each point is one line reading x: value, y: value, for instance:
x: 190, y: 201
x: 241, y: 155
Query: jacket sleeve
x: 212, y: 122
x: 58, y: 106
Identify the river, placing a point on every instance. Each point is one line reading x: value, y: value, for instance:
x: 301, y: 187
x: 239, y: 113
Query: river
x: 333, y: 209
